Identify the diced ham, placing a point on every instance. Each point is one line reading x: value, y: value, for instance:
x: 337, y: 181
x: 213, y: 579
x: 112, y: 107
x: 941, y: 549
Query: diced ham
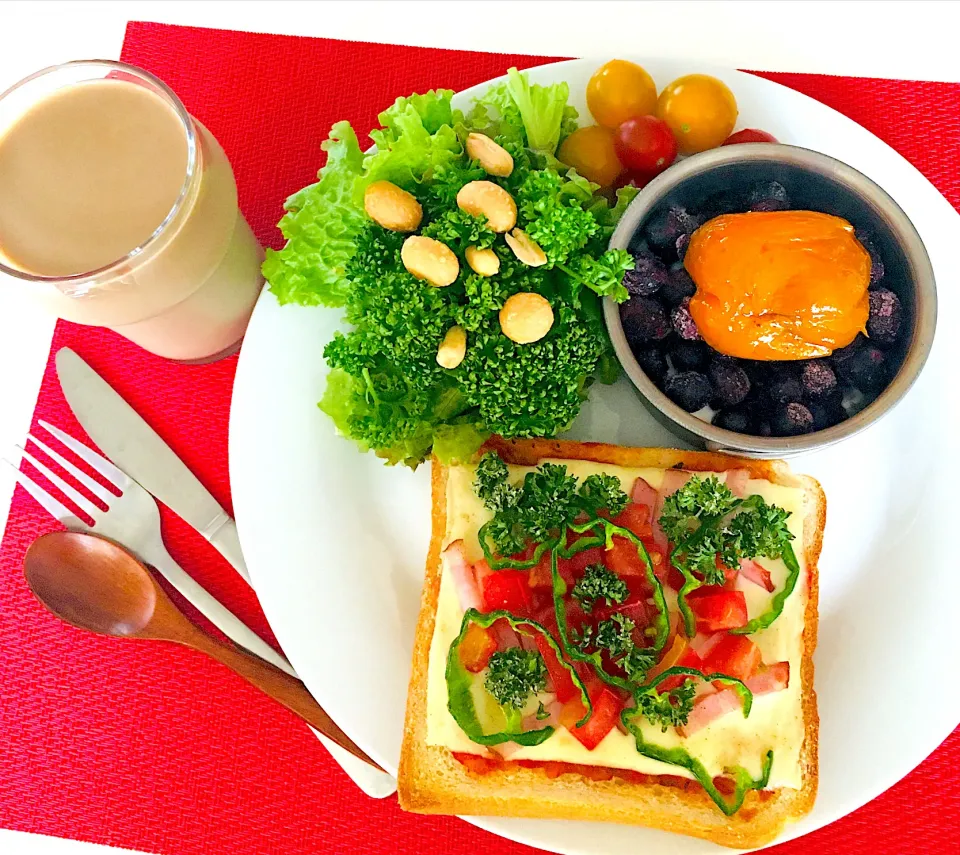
x: 753, y: 572
x: 737, y: 482
x: 770, y: 678
x: 468, y: 592
x: 673, y: 480
x: 528, y: 642
x: 708, y: 708
x: 505, y: 634
x: 644, y: 494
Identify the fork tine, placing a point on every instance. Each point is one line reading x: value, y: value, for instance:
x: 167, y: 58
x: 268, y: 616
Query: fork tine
x: 115, y: 476
x: 73, y: 494
x: 98, y: 490
x: 49, y: 503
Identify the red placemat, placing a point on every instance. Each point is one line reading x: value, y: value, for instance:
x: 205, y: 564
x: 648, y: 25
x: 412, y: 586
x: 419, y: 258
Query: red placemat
x: 156, y: 748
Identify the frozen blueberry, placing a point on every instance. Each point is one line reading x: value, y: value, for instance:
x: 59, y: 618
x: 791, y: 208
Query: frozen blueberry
x: 818, y: 379
x: 644, y: 320
x: 678, y: 287
x: 689, y: 389
x: 736, y: 419
x: 886, y: 316
x: 653, y: 363
x: 689, y: 355
x: 730, y: 382
x: 683, y: 322
x: 861, y: 365
x: 682, y: 243
x: 665, y: 226
x: 764, y: 429
x: 791, y: 420
x: 784, y: 389
x: 769, y: 196
x: 876, y: 262
x: 826, y: 413
x: 648, y: 275
x: 721, y: 203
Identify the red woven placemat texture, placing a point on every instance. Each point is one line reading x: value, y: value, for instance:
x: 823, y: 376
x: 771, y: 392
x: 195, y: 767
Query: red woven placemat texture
x: 156, y: 748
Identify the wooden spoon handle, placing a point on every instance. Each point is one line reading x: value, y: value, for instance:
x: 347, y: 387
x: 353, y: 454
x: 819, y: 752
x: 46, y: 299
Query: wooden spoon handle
x: 283, y: 688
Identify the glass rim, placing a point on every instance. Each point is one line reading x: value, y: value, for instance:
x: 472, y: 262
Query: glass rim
x: 190, y: 133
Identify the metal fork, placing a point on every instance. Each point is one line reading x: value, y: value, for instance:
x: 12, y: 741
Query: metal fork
x: 133, y: 520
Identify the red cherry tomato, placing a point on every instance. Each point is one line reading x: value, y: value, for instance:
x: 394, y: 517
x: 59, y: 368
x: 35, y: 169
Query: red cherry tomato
x: 749, y: 135
x: 631, y: 178
x: 645, y: 143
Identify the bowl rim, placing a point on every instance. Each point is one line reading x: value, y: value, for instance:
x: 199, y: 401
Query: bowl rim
x: 870, y: 193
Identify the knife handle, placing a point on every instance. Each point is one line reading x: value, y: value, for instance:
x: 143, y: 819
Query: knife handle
x: 222, y: 534
x: 213, y: 610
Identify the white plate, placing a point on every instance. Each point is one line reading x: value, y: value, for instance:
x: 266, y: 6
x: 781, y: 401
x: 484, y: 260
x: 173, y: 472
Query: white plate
x: 335, y: 541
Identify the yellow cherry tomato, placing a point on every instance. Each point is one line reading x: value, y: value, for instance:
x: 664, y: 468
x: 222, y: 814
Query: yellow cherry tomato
x: 700, y: 110
x: 620, y: 90
x: 590, y: 151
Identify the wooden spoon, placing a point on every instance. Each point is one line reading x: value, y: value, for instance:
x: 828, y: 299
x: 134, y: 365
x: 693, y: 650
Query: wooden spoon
x: 94, y: 584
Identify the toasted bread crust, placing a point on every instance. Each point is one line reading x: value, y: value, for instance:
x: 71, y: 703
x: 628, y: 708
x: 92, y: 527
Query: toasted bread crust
x: 431, y: 780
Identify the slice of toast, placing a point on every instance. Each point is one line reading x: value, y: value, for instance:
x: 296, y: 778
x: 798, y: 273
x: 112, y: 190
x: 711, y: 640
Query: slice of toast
x: 431, y: 780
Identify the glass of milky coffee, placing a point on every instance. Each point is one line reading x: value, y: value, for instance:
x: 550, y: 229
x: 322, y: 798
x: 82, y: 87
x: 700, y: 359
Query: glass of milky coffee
x: 118, y: 209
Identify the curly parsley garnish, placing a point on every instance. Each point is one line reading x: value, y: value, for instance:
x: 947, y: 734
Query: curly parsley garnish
x: 599, y: 583
x: 670, y: 709
x: 514, y: 675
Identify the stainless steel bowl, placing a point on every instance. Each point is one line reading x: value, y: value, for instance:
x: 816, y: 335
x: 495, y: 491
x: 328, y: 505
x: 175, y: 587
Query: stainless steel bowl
x: 815, y: 182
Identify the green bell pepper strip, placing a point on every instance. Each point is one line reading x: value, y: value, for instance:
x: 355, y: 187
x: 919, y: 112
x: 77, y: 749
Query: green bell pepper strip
x: 459, y: 681
x: 510, y: 563
x: 777, y: 601
x: 662, y: 622
x: 746, y: 696
x: 681, y: 757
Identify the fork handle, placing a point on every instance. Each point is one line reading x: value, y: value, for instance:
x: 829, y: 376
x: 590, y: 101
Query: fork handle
x: 213, y: 610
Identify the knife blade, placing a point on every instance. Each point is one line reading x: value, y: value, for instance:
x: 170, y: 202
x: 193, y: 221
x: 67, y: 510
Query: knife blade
x: 123, y: 435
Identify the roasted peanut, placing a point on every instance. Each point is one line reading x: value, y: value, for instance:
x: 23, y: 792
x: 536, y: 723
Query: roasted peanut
x: 483, y: 262
x: 525, y: 248
x: 494, y: 158
x: 453, y: 348
x: 392, y: 207
x: 429, y: 259
x: 526, y: 317
x: 486, y: 199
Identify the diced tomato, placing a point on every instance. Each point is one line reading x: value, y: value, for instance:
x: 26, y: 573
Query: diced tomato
x: 734, y: 655
x: 477, y: 647
x: 717, y: 609
x: 708, y: 708
x: 680, y: 654
x: 689, y: 659
x: 623, y: 559
x: 754, y: 572
x: 477, y: 764
x: 503, y: 589
x: 770, y: 678
x: 606, y: 713
x: 539, y: 576
x: 563, y: 686
x: 726, y: 786
x: 635, y: 518
x: 674, y: 577
x: 580, y: 562
x: 729, y: 574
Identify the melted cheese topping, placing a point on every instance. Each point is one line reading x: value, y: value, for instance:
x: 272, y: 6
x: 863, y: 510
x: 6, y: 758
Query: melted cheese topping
x: 775, y: 722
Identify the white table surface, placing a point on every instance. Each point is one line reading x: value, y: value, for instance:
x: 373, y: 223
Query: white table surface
x: 914, y: 40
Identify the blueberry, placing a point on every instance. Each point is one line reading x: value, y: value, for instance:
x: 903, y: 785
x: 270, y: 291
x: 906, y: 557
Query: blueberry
x: 730, y: 382
x: 683, y: 322
x: 689, y: 389
x: 769, y: 196
x: 825, y: 415
x: 876, y: 262
x: 764, y: 429
x: 678, y: 287
x: 689, y: 355
x: 886, y: 316
x: 644, y: 320
x: 791, y: 420
x: 665, y: 226
x: 736, y: 419
x: 648, y: 275
x: 653, y: 363
x: 861, y: 365
x: 818, y: 379
x: 721, y: 203
x: 682, y: 243
x: 784, y: 389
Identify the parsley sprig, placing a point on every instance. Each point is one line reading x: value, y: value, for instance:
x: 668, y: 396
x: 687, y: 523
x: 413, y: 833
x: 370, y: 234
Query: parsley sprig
x: 599, y: 583
x: 514, y: 675
x: 670, y: 709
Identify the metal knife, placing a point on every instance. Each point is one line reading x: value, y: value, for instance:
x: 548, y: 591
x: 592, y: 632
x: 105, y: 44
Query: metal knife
x: 136, y: 448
